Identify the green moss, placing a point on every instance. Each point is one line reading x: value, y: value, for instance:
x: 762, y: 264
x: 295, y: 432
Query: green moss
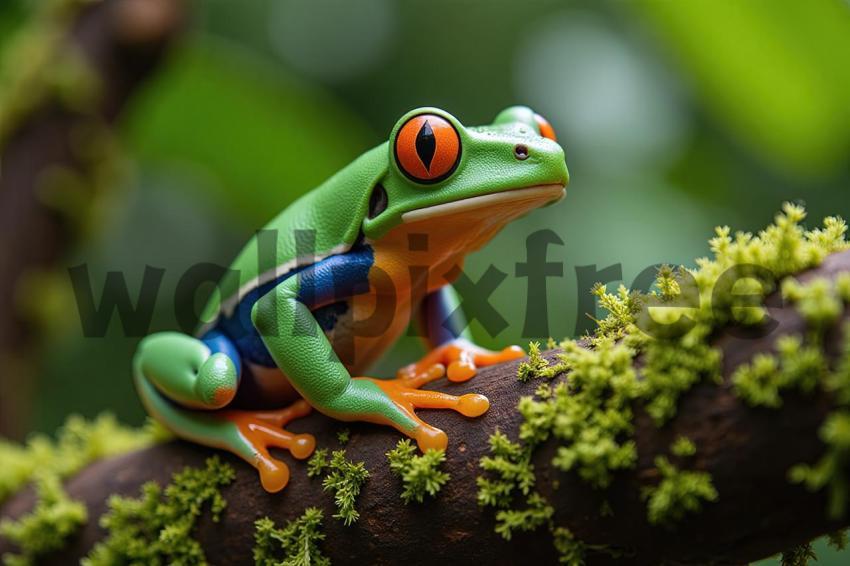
x: 683, y: 447
x: 678, y: 493
x: 537, y: 514
x: 420, y: 475
x: 508, y: 470
x: 78, y: 443
x: 297, y: 544
x: 589, y: 413
x: 797, y: 366
x: 157, y: 527
x: 344, y: 479
x: 818, y: 300
x: 830, y: 470
x: 318, y: 463
x: 799, y: 555
x: 47, y: 528
x: 343, y: 436
x: 571, y: 551
x: 670, y: 369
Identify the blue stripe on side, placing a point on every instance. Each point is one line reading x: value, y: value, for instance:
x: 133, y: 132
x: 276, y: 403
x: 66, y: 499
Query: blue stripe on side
x: 333, y: 279
x: 435, y: 312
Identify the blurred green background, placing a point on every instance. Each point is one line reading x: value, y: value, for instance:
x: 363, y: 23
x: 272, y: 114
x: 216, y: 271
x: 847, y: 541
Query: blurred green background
x: 676, y: 116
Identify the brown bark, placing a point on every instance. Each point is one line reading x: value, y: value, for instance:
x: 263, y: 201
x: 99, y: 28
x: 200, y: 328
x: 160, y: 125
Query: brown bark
x: 747, y: 451
x: 121, y: 42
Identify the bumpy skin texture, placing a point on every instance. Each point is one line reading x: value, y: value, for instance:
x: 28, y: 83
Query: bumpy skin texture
x: 327, y: 286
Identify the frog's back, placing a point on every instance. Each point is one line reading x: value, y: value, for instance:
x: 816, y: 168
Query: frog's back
x: 324, y: 222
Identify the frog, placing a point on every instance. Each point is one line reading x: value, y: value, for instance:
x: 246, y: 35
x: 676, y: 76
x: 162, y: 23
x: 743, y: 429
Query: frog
x: 337, y: 277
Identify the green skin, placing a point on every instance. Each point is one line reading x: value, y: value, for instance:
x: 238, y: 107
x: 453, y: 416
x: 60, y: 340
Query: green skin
x: 184, y: 385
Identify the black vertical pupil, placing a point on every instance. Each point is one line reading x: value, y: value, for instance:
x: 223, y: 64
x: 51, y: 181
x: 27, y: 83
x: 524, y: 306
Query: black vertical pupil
x: 426, y: 145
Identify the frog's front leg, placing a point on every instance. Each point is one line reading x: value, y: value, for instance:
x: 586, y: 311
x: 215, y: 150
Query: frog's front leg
x: 447, y: 336
x: 300, y: 348
x: 184, y: 384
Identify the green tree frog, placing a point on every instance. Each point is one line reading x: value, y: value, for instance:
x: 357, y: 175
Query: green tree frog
x: 336, y: 278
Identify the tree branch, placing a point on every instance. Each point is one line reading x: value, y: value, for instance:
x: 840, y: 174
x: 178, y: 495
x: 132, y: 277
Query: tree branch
x: 747, y: 451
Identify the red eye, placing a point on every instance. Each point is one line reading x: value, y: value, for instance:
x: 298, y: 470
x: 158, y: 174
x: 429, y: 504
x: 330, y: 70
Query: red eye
x: 427, y: 148
x: 546, y: 129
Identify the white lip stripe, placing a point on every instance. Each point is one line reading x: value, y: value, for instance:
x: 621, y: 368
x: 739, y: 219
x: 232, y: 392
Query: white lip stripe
x: 482, y: 201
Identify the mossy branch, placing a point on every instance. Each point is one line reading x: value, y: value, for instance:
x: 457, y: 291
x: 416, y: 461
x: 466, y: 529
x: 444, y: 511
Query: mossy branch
x: 747, y: 450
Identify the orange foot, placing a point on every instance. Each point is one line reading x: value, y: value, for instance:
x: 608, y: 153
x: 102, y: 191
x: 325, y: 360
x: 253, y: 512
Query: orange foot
x: 405, y: 393
x: 264, y: 429
x: 462, y: 358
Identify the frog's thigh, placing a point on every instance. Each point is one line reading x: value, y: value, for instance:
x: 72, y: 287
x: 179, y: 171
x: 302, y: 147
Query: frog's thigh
x: 195, y: 373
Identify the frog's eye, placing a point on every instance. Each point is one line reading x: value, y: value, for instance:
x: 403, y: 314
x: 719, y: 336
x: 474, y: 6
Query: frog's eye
x: 427, y: 148
x: 546, y: 129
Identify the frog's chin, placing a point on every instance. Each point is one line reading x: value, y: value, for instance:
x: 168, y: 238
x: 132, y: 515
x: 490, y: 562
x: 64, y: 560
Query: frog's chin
x: 523, y: 199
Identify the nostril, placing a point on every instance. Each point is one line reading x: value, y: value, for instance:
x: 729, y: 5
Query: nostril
x: 521, y: 151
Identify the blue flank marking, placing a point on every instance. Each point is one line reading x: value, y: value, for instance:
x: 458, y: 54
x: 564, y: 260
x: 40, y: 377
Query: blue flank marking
x: 440, y: 327
x: 332, y: 280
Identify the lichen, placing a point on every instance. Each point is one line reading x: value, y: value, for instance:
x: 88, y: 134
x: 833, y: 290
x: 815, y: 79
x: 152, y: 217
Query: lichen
x: 297, y: 544
x: 344, y: 479
x: 47, y: 527
x: 420, y: 474
x: 156, y: 528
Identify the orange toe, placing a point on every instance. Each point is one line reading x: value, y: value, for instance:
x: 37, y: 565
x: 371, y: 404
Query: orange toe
x: 273, y: 475
x: 473, y: 405
x: 430, y: 438
x: 302, y: 446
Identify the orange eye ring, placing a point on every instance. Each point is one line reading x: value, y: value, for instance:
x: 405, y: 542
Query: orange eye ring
x: 427, y: 149
x: 546, y: 129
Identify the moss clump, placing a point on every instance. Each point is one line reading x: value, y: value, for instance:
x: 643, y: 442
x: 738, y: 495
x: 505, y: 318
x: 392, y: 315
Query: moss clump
x: 683, y: 447
x: 796, y: 366
x: 157, y: 527
x: 680, y: 491
x: 78, y: 443
x: 537, y: 514
x: 830, y: 470
x: 799, y: 555
x: 343, y: 436
x: 344, y: 479
x: 420, y: 475
x: 297, y: 544
x: 46, y: 529
x: 509, y: 470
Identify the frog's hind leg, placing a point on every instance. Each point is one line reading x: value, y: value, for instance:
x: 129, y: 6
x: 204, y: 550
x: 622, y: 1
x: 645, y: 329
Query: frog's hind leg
x: 181, y: 380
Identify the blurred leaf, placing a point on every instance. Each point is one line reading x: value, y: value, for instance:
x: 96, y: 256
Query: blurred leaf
x: 774, y: 72
x: 265, y: 139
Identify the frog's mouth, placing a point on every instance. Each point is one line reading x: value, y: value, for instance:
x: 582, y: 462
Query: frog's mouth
x: 526, y: 199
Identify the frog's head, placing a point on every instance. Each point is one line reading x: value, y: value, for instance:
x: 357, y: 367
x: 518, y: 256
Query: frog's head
x: 438, y: 169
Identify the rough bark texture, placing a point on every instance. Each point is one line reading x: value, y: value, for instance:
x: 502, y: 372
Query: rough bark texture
x: 121, y: 41
x: 747, y: 451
